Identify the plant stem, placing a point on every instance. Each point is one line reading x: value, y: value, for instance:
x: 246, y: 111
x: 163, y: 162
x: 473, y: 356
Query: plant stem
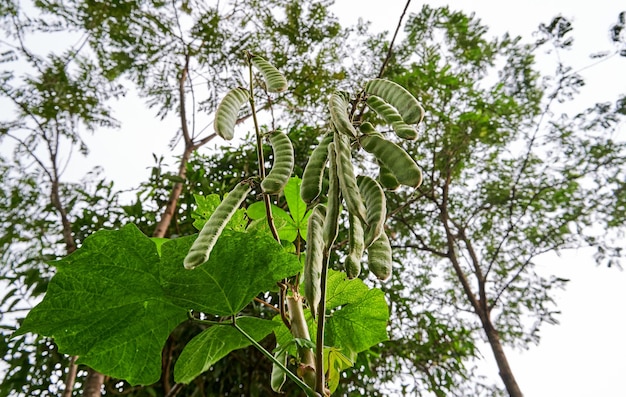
x: 321, y: 320
x: 309, y: 391
x: 300, y: 330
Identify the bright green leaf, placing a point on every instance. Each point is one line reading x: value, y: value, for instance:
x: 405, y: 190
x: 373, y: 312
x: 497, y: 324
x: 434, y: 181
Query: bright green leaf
x: 285, y: 226
x: 206, y: 205
x: 241, y: 265
x: 356, y: 319
x: 334, y: 363
x: 215, y: 342
x: 158, y: 241
x: 114, y: 301
x: 361, y: 320
x: 297, y: 207
x: 106, y: 305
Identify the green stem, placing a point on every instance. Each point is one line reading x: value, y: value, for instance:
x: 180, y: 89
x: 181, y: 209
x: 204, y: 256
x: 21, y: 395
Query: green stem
x: 321, y: 320
x: 309, y: 392
x: 300, y: 330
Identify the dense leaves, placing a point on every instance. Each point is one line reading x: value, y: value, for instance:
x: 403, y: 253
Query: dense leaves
x: 114, y: 302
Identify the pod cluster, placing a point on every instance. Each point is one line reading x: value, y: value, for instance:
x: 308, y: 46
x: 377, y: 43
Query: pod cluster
x: 362, y: 196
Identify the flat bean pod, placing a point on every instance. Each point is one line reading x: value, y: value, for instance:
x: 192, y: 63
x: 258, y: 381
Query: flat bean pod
x: 347, y: 180
x: 386, y: 178
x: 367, y: 128
x: 356, y: 246
x: 379, y: 258
x: 201, y: 248
x: 338, y: 106
x: 376, y: 205
x: 274, y: 80
x: 313, y: 174
x: 314, y: 261
x: 410, y: 109
x: 227, y: 112
x: 282, y: 168
x: 392, y: 117
x: 399, y: 162
x: 331, y: 223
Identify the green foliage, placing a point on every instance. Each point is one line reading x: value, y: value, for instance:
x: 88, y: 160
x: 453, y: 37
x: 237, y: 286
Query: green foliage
x: 116, y: 289
x: 212, y: 344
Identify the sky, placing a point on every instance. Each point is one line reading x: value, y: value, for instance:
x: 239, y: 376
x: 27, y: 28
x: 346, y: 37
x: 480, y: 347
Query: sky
x: 581, y: 357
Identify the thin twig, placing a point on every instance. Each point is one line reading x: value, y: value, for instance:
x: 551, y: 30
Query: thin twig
x: 390, y: 51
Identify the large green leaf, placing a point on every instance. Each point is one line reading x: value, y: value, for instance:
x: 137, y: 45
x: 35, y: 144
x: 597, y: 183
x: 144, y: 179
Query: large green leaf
x: 114, y: 301
x: 212, y: 344
x: 359, y: 314
x: 106, y: 305
x: 285, y: 226
x: 241, y: 265
x: 297, y: 207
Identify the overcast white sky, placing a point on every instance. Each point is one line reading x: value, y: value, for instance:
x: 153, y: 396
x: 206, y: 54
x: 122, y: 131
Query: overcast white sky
x: 584, y: 355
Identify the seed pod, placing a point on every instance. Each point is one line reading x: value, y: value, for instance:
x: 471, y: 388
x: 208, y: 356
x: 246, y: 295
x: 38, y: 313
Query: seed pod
x: 386, y: 178
x: 314, y: 262
x: 393, y: 157
x: 392, y: 117
x: 356, y: 247
x: 338, y: 106
x: 279, y: 376
x: 376, y: 205
x: 331, y: 223
x: 201, y: 248
x: 282, y: 168
x: 379, y: 257
x: 347, y: 180
x: 227, y: 112
x: 393, y: 93
x: 313, y: 174
x: 367, y: 128
x: 274, y: 80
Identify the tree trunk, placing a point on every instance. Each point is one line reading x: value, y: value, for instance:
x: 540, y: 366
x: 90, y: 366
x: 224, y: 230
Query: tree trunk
x: 170, y: 209
x: 94, y: 380
x: 70, y: 378
x: 503, y: 364
x: 93, y: 384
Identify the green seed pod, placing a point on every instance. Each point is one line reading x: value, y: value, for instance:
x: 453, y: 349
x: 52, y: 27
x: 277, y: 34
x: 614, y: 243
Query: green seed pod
x: 376, y: 204
x: 274, y: 80
x: 279, y: 377
x: 379, y: 257
x: 392, y: 117
x: 227, y: 112
x: 338, y: 106
x: 201, y: 248
x: 393, y: 93
x: 386, y: 178
x: 367, y: 128
x: 356, y: 247
x: 347, y: 180
x: 314, y: 262
x: 282, y: 168
x: 313, y: 174
x: 393, y: 157
x: 331, y: 223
